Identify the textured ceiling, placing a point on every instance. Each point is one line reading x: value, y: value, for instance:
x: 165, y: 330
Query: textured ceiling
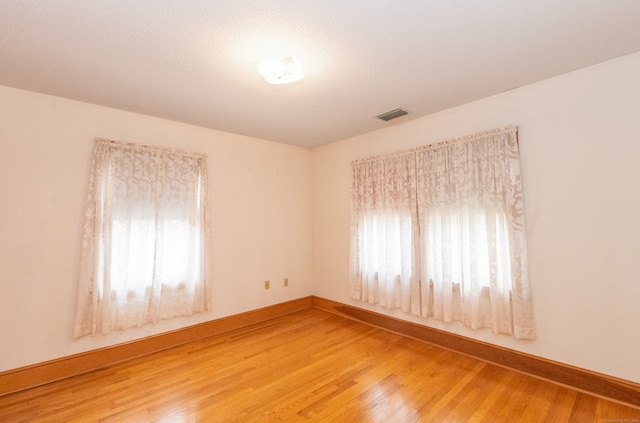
x: 195, y: 61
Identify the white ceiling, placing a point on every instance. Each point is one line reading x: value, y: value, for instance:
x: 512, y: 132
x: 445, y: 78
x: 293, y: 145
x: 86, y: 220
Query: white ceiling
x: 195, y: 61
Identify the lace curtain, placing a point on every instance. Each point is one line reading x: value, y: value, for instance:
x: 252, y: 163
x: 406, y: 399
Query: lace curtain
x: 458, y: 250
x: 384, y: 231
x: 144, y: 247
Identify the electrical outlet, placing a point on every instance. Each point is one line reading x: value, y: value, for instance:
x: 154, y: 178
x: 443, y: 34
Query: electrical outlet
x: 286, y: 281
x: 266, y: 284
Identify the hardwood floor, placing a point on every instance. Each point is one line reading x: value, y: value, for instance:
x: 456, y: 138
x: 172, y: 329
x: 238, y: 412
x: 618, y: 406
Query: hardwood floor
x: 307, y: 366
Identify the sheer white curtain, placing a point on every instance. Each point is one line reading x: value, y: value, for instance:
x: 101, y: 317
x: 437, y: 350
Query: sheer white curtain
x: 470, y: 263
x: 144, y: 249
x: 384, y: 231
x: 472, y: 244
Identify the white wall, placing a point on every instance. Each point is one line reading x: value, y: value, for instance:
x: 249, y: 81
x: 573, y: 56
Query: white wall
x: 580, y: 155
x: 260, y: 193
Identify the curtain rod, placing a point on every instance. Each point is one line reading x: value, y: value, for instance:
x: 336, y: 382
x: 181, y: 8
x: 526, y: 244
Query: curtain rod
x: 151, y: 147
x: 440, y: 144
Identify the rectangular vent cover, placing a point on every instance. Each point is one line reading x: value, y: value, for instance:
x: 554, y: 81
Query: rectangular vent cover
x: 392, y: 114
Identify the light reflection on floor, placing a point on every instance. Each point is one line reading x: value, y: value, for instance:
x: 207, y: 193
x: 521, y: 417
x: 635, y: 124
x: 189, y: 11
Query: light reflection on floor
x: 177, y: 418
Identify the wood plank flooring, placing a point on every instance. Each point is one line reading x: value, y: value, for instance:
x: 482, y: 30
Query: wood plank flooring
x: 307, y: 366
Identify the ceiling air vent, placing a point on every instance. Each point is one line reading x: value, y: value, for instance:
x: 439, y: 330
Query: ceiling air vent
x: 392, y: 114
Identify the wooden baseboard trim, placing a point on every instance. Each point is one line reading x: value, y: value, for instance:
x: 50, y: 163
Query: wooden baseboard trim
x: 605, y: 386
x: 598, y: 384
x: 61, y: 368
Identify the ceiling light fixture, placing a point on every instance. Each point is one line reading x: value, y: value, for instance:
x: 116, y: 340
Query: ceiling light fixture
x: 283, y: 70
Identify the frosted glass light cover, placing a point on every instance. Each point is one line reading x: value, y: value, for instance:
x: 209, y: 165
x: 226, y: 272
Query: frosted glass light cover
x: 282, y: 70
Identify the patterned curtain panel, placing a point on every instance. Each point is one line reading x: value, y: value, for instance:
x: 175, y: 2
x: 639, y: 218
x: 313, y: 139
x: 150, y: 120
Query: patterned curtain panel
x: 468, y: 260
x: 145, y: 241
x: 384, y: 231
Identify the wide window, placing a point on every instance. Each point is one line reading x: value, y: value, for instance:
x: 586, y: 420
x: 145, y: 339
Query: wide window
x: 439, y: 232
x: 145, y: 238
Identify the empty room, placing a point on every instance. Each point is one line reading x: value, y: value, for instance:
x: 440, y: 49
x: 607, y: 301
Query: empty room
x: 356, y: 211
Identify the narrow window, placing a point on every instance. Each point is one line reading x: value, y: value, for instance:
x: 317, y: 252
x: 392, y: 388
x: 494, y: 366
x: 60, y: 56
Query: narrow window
x: 144, y: 249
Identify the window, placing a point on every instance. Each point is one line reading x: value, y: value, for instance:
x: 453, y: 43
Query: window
x: 384, y: 231
x: 439, y: 232
x: 145, y: 238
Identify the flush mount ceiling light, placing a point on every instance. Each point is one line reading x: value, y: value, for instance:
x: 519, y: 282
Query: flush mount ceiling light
x: 283, y: 70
